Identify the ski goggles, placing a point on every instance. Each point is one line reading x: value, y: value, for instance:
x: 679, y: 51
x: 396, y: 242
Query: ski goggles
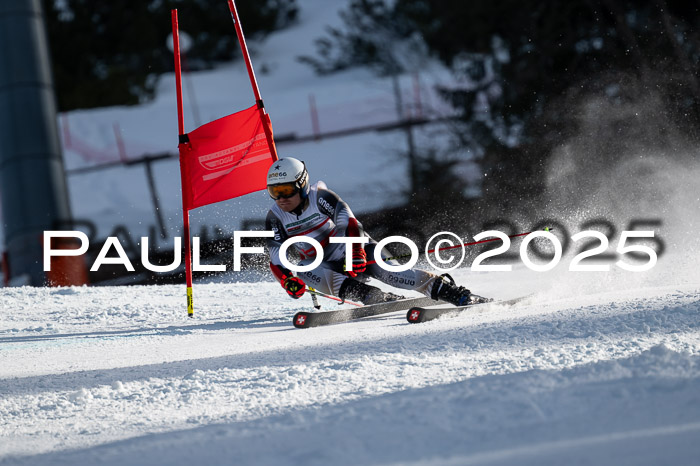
x: 282, y: 191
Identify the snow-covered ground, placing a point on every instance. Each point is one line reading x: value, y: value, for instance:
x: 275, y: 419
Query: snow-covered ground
x: 595, y: 368
x: 588, y: 371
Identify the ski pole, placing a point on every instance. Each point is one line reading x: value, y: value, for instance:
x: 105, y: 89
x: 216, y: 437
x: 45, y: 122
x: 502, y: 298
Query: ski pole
x: 401, y: 256
x: 324, y: 295
x: 314, y: 299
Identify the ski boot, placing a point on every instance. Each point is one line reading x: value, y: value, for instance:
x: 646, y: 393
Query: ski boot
x: 445, y: 289
x: 366, y: 294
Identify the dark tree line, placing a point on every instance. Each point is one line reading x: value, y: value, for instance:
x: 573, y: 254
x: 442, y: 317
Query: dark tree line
x: 111, y: 52
x: 526, y: 65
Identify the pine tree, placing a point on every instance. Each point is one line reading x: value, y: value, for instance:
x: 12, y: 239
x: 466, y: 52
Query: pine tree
x: 530, y: 64
x: 112, y: 52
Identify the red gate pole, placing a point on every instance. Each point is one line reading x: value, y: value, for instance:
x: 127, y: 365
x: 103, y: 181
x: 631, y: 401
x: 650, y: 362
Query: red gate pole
x: 253, y: 82
x: 183, y: 176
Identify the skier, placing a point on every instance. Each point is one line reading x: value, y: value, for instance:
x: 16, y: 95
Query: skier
x: 315, y: 211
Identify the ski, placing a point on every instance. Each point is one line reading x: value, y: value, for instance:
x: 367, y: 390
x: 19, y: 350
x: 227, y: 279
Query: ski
x: 316, y: 319
x: 419, y: 314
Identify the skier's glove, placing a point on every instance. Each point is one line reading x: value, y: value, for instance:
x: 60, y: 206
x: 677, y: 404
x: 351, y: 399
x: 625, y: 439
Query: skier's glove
x: 359, y: 260
x: 295, y: 287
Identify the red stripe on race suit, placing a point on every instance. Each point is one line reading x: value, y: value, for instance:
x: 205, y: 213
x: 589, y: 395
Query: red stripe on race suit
x: 311, y: 252
x: 353, y: 227
x: 278, y: 272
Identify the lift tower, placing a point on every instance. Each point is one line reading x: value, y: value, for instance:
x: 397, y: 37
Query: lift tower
x: 32, y: 179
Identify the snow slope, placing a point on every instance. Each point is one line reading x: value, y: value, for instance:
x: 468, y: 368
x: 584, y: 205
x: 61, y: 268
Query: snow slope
x: 596, y: 368
x: 121, y: 376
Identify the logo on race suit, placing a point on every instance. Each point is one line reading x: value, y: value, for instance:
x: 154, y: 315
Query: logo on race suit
x: 327, y: 205
x: 401, y: 280
x: 310, y: 276
x: 276, y: 231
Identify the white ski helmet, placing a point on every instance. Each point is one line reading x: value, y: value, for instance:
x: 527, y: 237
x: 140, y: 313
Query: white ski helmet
x: 286, y: 177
